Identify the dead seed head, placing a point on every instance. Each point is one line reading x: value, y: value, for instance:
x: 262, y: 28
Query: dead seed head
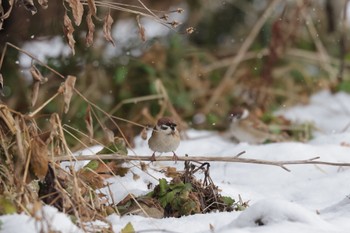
x: 174, y: 24
x: 189, y: 30
x: 179, y: 10
x: 165, y: 17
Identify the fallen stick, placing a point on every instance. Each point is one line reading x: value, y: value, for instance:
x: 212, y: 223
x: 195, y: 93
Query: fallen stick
x: 232, y: 159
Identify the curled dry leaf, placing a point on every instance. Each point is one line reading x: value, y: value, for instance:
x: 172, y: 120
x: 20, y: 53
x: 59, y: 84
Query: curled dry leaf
x: 37, y: 76
x: 89, y: 123
x: 68, y: 91
x: 55, y: 126
x: 3, y: 15
x: 7, y: 122
x: 43, y: 3
x: 77, y: 9
x: 1, y: 84
x: 91, y: 29
x: 39, y: 161
x: 92, y: 7
x: 141, y: 29
x: 35, y: 92
x: 19, y: 149
x: 19, y: 140
x: 107, y: 28
x: 68, y: 31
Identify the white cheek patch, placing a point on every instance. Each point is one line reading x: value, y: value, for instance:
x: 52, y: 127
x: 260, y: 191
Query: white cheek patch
x: 167, y: 129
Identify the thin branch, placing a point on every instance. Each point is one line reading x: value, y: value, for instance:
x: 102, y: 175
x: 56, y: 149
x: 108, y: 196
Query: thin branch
x: 324, y: 57
x: 240, y: 55
x: 343, y: 44
x: 33, y: 57
x: 230, y: 159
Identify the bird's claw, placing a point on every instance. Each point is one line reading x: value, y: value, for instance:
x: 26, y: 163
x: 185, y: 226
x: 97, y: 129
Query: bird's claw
x: 175, y: 158
x: 153, y: 158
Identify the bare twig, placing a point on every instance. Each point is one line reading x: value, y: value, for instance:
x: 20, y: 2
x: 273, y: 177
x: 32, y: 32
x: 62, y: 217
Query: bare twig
x: 343, y: 44
x: 240, y: 55
x: 324, y: 57
x: 231, y: 159
x: 31, y: 56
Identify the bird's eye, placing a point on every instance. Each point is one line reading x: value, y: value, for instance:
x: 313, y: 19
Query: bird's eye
x: 164, y: 127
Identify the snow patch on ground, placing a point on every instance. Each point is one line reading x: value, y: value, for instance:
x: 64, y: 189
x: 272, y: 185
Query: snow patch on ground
x: 310, y: 198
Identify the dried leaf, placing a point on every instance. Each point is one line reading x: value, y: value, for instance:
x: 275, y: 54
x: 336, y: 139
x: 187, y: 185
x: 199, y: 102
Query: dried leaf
x: 141, y: 29
x: 35, y: 92
x: 48, y: 189
x: 39, y: 161
x: 91, y: 29
x: 55, y: 124
x: 7, y: 14
x: 89, y: 123
x: 7, y: 119
x: 19, y: 149
x: 90, y: 176
x: 68, y: 91
x: 29, y: 5
x: 37, y: 76
x: 1, y: 82
x: 135, y: 176
x: 43, y: 3
x: 19, y: 141
x: 109, y: 135
x: 144, y: 134
x: 77, y: 9
x: 92, y: 7
x: 68, y: 30
x: 107, y: 28
x: 211, y: 227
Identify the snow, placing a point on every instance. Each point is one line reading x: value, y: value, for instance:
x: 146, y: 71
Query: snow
x: 310, y: 198
x: 48, y: 219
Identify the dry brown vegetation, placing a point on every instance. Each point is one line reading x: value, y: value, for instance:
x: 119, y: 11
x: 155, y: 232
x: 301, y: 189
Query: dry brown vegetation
x: 63, y: 108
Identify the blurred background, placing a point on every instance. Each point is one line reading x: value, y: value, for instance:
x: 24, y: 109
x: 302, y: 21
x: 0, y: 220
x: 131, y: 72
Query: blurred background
x: 194, y: 60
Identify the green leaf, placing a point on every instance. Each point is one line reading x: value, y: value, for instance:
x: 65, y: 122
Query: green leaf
x: 177, y: 186
x: 128, y: 228
x: 7, y: 206
x: 93, y: 165
x: 344, y: 86
x: 228, y: 200
x: 170, y: 196
x: 120, y: 75
x: 163, y: 187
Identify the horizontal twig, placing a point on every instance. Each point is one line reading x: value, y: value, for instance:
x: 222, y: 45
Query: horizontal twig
x: 231, y: 159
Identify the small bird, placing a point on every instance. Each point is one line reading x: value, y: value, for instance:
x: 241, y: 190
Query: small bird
x: 165, y: 137
x: 245, y: 127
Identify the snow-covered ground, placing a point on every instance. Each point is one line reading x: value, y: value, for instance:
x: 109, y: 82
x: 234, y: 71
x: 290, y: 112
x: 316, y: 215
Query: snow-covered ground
x: 310, y: 198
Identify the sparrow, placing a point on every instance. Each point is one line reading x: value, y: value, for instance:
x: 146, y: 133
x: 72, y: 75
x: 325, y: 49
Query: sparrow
x: 165, y: 137
x: 245, y: 127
